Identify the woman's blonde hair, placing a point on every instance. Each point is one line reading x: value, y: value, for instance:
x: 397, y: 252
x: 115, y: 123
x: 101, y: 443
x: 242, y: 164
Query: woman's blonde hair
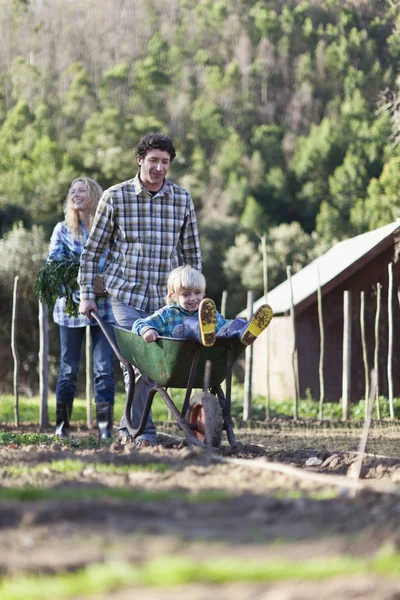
x: 71, y: 215
x: 184, y: 278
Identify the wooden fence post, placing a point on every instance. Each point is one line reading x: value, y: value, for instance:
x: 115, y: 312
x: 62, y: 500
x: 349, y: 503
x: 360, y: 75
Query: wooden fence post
x: 376, y: 352
x: 15, y: 351
x: 267, y: 332
x: 364, y: 434
x: 294, y: 352
x: 390, y: 341
x: 346, y: 370
x: 247, y: 408
x: 43, y: 364
x: 89, y: 379
x: 223, y: 303
x: 364, y: 351
x: 321, y: 350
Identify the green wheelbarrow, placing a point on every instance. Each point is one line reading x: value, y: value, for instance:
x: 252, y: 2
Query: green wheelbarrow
x: 178, y: 363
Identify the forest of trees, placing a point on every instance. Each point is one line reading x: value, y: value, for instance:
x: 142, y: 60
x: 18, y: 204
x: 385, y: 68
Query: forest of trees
x: 284, y: 114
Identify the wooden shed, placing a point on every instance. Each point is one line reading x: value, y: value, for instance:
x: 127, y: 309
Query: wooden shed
x: 354, y: 265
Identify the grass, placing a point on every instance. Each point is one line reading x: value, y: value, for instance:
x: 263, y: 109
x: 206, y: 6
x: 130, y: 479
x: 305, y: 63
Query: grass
x: 103, y: 578
x: 71, y: 467
x: 29, y: 408
x: 309, y: 409
x: 26, y: 439
x: 33, y: 494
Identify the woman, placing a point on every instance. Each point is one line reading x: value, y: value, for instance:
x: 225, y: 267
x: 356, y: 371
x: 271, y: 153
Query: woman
x: 70, y: 236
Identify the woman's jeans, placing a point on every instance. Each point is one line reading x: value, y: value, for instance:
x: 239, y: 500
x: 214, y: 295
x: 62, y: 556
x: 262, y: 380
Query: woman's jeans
x: 125, y: 316
x: 71, y: 339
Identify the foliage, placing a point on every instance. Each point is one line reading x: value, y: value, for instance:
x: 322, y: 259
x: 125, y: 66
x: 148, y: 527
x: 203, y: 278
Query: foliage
x: 21, y: 252
x: 242, y: 264
x: 286, y: 244
x: 24, y: 439
x: 57, y: 279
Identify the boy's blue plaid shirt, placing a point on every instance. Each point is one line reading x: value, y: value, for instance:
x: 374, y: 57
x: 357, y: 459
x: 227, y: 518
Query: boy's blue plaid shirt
x: 168, y: 317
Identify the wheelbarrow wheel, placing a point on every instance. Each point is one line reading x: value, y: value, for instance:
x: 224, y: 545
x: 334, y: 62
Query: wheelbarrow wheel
x: 206, y: 414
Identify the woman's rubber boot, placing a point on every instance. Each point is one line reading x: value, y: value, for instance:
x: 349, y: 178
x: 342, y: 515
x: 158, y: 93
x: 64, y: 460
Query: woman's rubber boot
x: 63, y: 412
x: 259, y: 321
x: 104, y: 418
x: 207, y: 318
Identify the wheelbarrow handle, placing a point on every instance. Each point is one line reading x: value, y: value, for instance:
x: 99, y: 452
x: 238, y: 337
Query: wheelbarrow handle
x: 110, y: 337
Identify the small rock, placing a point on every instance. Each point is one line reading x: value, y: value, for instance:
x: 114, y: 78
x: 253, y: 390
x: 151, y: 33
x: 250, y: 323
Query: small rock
x: 332, y: 461
x: 129, y: 448
x: 116, y: 447
x: 313, y: 461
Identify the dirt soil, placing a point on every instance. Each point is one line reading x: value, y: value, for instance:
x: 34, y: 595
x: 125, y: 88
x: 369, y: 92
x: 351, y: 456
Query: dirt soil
x: 291, y: 494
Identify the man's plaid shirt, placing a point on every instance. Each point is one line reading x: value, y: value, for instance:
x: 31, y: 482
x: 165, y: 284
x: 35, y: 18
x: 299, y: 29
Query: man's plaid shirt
x: 147, y: 237
x: 61, y: 245
x: 168, y: 317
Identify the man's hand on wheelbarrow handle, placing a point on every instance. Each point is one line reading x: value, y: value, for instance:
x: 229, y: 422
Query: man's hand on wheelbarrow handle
x: 86, y: 306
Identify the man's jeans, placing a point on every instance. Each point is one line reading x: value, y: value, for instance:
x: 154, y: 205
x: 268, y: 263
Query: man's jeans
x: 71, y: 339
x: 125, y: 316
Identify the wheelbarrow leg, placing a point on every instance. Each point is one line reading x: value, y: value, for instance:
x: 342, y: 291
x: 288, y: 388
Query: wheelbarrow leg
x: 228, y: 423
x: 183, y: 424
x: 134, y: 432
x: 189, y: 387
x: 225, y: 401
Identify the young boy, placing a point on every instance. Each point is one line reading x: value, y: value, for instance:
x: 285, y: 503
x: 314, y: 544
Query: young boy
x: 189, y: 315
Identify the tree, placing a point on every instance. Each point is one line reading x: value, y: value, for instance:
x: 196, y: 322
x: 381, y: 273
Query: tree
x: 289, y: 244
x: 16, y: 260
x: 254, y: 217
x: 242, y: 267
x: 115, y: 88
x: 80, y: 99
x: 216, y: 237
x: 382, y: 204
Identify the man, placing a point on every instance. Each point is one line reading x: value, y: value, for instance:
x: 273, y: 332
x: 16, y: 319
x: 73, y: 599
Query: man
x: 149, y: 225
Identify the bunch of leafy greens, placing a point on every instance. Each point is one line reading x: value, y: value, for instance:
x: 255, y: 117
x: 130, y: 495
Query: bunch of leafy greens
x: 59, y: 278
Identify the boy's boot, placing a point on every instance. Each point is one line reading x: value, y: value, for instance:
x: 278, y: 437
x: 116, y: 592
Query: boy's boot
x: 63, y: 412
x: 104, y: 419
x: 259, y: 321
x: 207, y: 318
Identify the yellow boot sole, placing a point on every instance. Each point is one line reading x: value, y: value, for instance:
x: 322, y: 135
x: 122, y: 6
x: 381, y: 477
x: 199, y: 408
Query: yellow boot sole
x: 259, y: 321
x: 207, y: 318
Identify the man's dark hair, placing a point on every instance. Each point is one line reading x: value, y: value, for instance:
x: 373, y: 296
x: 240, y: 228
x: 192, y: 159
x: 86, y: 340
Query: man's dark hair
x: 155, y: 141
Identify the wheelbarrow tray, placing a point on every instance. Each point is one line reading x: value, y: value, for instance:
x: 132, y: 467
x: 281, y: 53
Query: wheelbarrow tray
x: 168, y: 360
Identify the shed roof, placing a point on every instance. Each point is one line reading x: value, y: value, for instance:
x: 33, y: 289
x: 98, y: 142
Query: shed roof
x: 338, y: 263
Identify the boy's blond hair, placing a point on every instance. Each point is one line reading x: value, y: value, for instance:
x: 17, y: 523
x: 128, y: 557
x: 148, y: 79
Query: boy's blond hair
x: 184, y: 278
